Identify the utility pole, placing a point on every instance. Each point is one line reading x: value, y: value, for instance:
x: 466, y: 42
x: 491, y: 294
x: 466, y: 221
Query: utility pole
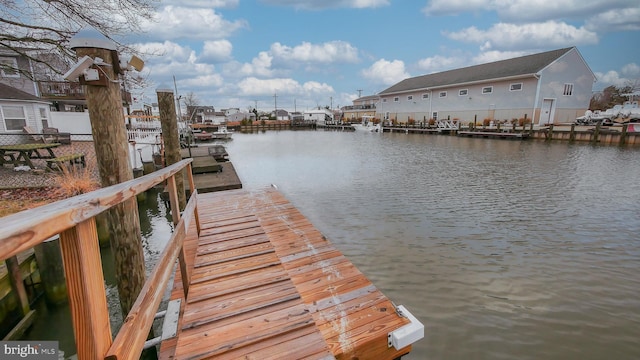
x: 275, y: 101
x: 331, y: 99
x: 359, y: 93
x: 177, y: 99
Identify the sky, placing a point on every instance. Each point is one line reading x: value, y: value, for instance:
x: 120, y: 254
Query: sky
x: 298, y: 55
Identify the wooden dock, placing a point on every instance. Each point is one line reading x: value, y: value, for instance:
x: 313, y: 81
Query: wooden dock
x: 266, y: 284
x: 495, y: 134
x: 209, y: 174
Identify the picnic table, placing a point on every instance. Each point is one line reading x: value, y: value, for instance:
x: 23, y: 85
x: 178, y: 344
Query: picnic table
x: 22, y: 154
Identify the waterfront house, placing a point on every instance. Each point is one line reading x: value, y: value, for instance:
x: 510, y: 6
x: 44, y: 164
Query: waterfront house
x: 362, y: 107
x: 19, y: 109
x: 239, y: 116
x: 321, y: 117
x: 548, y: 87
x: 281, y: 114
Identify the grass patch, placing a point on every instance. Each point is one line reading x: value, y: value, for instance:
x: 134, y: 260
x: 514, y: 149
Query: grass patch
x: 70, y: 182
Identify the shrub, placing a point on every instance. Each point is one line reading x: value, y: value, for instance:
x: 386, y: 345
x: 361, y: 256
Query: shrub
x: 74, y: 181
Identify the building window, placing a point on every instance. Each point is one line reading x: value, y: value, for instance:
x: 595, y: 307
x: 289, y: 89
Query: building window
x: 443, y: 94
x: 410, y: 97
x: 568, y: 90
x: 435, y: 116
x: 43, y: 117
x: 9, y: 67
x: 487, y: 89
x: 14, y: 118
x: 515, y: 87
x: 396, y: 99
x: 425, y: 96
x: 384, y: 100
x: 463, y: 92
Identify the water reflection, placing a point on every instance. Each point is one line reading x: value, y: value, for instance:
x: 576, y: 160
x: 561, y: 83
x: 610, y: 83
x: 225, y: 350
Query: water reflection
x: 504, y: 249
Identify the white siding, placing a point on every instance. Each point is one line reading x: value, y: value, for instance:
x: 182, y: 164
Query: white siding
x: 569, y: 69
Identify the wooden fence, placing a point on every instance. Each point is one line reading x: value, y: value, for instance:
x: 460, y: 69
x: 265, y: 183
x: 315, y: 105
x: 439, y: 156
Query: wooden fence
x: 74, y: 220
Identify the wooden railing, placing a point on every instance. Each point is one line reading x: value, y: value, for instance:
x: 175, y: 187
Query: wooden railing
x: 74, y: 220
x: 64, y: 90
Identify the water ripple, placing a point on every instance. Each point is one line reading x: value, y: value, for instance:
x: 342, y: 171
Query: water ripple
x: 503, y: 249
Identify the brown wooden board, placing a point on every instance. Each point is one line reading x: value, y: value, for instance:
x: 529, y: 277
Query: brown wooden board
x: 266, y: 284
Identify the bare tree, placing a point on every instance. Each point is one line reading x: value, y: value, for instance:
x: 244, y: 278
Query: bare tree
x: 41, y: 29
x: 191, y: 103
x: 610, y: 96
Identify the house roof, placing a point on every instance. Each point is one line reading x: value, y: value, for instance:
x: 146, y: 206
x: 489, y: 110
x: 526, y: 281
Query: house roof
x: 367, y: 98
x: 10, y: 93
x: 520, y: 66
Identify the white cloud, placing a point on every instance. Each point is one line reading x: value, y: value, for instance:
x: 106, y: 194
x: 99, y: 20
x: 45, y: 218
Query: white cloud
x: 631, y: 70
x: 328, y: 52
x: 214, y: 4
x: 167, y: 51
x: 329, y: 4
x: 207, y: 81
x: 259, y: 66
x: 611, y: 77
x: 454, y: 7
x: 255, y: 87
x: 314, y: 87
x: 536, y: 35
x: 530, y: 10
x: 491, y: 56
x: 440, y: 63
x: 615, y: 20
x: 216, y: 51
x: 193, y: 23
x: 386, y: 72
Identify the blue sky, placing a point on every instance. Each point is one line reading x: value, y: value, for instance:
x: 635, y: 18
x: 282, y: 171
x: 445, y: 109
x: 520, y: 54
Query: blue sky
x: 239, y: 53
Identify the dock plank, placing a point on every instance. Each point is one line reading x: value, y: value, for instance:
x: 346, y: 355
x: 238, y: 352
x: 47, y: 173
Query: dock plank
x: 266, y: 284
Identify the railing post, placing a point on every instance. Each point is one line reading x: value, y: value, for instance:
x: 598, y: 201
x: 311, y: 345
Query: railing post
x: 175, y: 215
x: 87, y: 296
x: 192, y: 186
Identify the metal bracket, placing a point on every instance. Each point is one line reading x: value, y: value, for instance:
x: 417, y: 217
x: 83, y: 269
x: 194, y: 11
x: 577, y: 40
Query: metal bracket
x: 407, y: 334
x: 169, y: 325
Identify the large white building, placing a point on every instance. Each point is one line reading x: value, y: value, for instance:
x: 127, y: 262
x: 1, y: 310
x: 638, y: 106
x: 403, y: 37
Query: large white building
x: 549, y: 87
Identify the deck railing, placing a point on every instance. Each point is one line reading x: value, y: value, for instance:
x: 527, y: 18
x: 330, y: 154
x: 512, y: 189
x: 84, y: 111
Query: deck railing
x: 74, y: 220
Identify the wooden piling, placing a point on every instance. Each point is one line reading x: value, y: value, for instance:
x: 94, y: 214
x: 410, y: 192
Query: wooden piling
x: 104, y: 102
x: 17, y: 285
x: 572, y: 134
x: 623, y: 134
x: 168, y: 120
x: 49, y: 260
x: 596, y: 133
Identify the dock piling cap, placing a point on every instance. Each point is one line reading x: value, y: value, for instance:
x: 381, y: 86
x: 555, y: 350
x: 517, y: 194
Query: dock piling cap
x: 91, y: 38
x: 163, y: 88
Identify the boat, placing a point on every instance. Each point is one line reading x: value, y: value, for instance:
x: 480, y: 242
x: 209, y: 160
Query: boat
x: 629, y: 111
x: 367, y: 125
x: 202, y: 135
x: 222, y: 133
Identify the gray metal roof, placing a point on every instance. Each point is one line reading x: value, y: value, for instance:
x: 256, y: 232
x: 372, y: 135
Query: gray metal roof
x: 520, y: 66
x: 10, y: 93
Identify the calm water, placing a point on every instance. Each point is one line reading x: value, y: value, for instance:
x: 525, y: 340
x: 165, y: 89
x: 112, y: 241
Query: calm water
x: 503, y: 249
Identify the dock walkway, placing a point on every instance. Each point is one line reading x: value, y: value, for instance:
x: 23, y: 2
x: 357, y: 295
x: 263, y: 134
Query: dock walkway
x: 266, y: 284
